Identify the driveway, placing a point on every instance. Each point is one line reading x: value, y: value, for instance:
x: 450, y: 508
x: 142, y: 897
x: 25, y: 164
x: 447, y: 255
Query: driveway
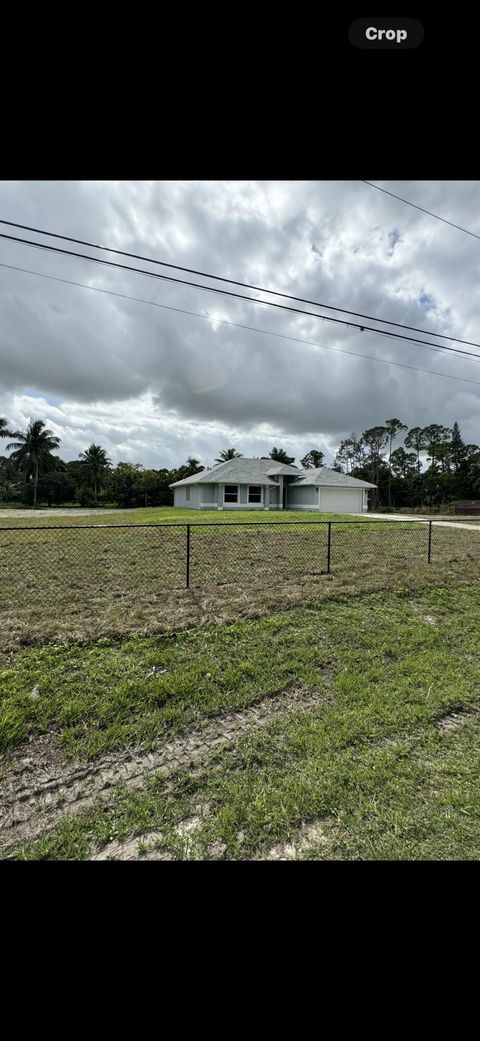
x: 419, y: 520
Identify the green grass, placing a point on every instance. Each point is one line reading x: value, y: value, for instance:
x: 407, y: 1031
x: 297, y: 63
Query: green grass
x: 58, y: 517
x: 105, y: 695
x: 369, y: 765
x: 59, y: 583
x: 158, y: 515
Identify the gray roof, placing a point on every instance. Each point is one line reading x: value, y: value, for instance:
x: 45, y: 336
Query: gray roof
x: 261, y: 471
x: 240, y: 471
x: 331, y: 479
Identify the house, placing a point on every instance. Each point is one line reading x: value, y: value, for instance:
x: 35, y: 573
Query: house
x: 263, y: 484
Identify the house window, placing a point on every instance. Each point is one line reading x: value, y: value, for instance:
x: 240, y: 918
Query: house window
x: 254, y: 493
x: 187, y: 494
x: 231, y: 493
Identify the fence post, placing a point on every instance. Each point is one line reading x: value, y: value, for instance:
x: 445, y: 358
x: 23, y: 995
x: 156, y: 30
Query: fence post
x: 329, y: 546
x: 429, y: 542
x: 187, y: 584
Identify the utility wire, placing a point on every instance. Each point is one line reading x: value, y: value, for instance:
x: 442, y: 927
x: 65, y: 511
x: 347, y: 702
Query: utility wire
x: 237, y: 296
x: 243, y: 285
x: 422, y: 209
x: 237, y: 325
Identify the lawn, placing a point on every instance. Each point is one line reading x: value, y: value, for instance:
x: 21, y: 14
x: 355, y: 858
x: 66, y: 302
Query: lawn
x: 62, y: 516
x: 57, y: 581
x: 274, y: 709
x: 347, y: 728
x: 155, y: 515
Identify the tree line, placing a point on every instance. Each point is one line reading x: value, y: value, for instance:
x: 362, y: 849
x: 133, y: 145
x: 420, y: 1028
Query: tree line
x: 31, y: 474
x: 452, y: 471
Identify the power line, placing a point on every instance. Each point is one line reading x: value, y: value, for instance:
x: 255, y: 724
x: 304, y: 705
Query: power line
x: 234, y: 282
x: 237, y: 325
x: 422, y: 209
x: 237, y: 296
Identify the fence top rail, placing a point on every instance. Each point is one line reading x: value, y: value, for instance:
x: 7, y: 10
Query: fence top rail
x: 213, y: 524
x: 296, y: 523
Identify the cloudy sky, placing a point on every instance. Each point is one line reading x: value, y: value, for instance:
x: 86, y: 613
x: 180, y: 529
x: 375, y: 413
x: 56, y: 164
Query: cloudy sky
x: 154, y: 385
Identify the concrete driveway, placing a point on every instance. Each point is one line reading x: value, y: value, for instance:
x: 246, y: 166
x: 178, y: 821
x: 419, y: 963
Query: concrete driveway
x: 419, y: 520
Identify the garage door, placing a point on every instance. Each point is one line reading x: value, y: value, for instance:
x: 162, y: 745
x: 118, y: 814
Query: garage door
x: 341, y: 500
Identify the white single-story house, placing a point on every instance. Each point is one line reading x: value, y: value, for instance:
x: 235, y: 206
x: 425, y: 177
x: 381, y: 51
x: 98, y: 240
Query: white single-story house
x: 262, y: 484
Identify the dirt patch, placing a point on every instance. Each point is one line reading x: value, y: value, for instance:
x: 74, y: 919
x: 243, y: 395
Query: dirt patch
x: 133, y: 848
x: 34, y: 799
x: 186, y: 827
x: 427, y: 618
x: 38, y: 516
x: 309, y: 835
x: 452, y: 720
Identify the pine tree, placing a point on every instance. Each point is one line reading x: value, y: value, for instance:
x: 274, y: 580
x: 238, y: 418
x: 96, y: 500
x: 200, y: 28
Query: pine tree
x: 457, y: 447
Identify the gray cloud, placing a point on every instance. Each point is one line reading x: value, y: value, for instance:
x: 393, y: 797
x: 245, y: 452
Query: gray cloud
x: 154, y: 385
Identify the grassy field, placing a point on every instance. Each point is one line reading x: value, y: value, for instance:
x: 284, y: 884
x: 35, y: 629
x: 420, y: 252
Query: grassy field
x: 156, y: 515
x: 56, y: 582
x: 60, y: 516
x: 346, y: 729
x: 273, y: 710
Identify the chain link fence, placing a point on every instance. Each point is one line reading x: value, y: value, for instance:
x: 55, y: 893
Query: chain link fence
x: 454, y: 545
x: 95, y: 561
x: 90, y: 561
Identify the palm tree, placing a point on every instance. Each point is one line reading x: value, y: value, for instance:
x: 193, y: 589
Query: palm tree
x: 192, y: 466
x: 8, y: 489
x: 32, y: 451
x: 4, y: 431
x: 279, y: 455
x: 228, y: 453
x: 94, y: 463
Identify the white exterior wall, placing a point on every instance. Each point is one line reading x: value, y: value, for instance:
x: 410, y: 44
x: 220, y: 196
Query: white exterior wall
x: 180, y: 497
x: 209, y: 496
x: 309, y: 497
x: 274, y: 497
x: 302, y: 498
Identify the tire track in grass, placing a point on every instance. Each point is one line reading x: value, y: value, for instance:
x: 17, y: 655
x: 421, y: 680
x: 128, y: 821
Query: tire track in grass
x: 310, y: 834
x: 35, y: 800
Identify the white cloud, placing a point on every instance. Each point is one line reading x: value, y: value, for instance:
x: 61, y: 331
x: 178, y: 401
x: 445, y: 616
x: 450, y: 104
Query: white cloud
x: 154, y: 385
